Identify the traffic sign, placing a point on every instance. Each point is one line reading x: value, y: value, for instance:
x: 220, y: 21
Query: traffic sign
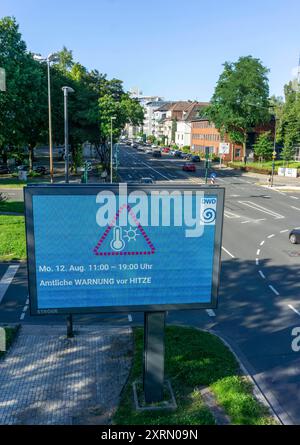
x: 114, y: 247
x: 213, y: 175
x: 224, y: 148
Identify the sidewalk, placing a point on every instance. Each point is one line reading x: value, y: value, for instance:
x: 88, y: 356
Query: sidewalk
x: 46, y: 378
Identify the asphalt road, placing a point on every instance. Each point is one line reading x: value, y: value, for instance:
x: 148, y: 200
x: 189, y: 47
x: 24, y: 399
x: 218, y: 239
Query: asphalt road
x: 259, y: 294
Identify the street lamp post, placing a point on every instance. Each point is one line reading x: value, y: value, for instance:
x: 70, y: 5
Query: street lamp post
x: 274, y: 154
x: 66, y: 90
x: 111, y: 147
x: 52, y: 57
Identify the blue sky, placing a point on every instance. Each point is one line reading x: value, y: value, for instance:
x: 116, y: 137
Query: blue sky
x: 172, y: 48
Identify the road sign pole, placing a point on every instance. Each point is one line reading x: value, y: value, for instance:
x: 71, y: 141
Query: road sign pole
x: 206, y: 163
x: 154, y: 356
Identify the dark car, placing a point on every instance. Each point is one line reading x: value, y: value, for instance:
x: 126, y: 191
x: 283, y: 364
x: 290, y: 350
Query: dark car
x: 178, y: 154
x: 147, y: 181
x: 196, y: 158
x: 294, y: 236
x: 156, y: 153
x: 40, y: 169
x: 4, y: 170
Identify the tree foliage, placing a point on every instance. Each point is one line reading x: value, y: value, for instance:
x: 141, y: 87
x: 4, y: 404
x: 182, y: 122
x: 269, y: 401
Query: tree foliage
x: 24, y: 106
x: 240, y: 99
x: 263, y: 147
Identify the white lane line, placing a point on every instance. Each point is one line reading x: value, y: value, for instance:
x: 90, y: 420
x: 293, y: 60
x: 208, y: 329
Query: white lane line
x: 27, y: 301
x: 261, y: 219
x: 262, y: 274
x: 25, y: 308
x: 22, y: 316
x: 273, y: 289
x: 245, y: 222
x: 262, y: 243
x: 295, y: 208
x: 294, y: 197
x: 211, y: 312
x: 257, y: 261
x: 271, y: 236
x: 258, y: 252
x: 293, y: 309
x: 149, y: 166
x: 284, y: 231
x: 130, y: 318
x: 234, y: 196
x: 7, y: 279
x: 228, y: 253
x: 259, y: 208
x: 230, y: 214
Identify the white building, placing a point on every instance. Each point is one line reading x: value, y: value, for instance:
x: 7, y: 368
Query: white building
x: 183, y: 134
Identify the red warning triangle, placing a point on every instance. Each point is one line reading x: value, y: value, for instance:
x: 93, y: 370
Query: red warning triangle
x: 150, y: 248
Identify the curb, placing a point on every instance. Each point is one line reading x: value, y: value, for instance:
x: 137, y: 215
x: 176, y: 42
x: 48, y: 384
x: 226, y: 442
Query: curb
x: 269, y: 400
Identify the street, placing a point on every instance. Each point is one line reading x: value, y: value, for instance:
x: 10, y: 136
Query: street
x: 258, y: 304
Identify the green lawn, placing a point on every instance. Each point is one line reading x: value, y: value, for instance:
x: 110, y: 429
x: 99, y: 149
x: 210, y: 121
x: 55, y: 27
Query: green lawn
x: 265, y: 165
x: 16, y: 183
x: 12, y: 206
x: 10, y: 336
x: 194, y: 359
x: 12, y: 238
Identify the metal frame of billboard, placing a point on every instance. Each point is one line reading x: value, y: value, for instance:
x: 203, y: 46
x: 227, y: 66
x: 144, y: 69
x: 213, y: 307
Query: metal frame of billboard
x: 93, y: 189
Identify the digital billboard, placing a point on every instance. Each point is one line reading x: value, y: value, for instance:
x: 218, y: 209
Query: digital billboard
x: 122, y: 247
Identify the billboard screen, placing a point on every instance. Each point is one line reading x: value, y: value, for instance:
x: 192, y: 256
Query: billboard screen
x: 119, y: 247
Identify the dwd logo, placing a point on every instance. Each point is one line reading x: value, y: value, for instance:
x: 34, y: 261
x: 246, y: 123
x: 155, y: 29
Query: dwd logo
x: 2, y: 340
x: 208, y: 210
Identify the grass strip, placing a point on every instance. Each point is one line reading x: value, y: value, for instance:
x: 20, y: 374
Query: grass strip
x: 12, y: 238
x: 194, y: 359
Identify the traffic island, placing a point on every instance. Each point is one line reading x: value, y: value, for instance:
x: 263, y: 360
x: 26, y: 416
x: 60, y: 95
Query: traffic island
x: 194, y: 359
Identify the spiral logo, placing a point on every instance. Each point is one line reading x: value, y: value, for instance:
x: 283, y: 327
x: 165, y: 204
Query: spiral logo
x: 208, y: 215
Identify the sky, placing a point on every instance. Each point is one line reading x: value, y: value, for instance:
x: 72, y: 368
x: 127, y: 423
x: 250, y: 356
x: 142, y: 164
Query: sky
x: 170, y: 48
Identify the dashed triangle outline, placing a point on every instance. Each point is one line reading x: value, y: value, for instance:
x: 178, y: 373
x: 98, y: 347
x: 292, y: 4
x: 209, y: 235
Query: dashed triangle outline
x: 112, y: 224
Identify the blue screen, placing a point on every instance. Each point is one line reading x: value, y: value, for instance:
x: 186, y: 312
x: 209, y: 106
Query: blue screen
x: 81, y: 262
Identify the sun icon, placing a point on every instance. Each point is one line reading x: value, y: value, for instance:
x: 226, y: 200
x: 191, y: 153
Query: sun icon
x: 131, y: 234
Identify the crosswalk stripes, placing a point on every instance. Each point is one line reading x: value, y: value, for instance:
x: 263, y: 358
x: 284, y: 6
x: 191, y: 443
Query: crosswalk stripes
x: 7, y: 279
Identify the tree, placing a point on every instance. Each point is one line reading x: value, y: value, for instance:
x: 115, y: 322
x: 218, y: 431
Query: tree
x: 263, y: 148
x: 289, y: 123
x: 240, y: 100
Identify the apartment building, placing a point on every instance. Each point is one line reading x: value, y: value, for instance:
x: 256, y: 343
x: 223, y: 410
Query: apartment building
x: 184, y: 125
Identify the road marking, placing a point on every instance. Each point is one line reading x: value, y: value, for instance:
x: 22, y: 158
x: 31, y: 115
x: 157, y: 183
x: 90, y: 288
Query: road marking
x: 130, y: 318
x: 273, y: 289
x: 293, y: 309
x: 258, y: 252
x: 257, y: 261
x: 259, y: 208
x: 294, y: 197
x: 230, y: 214
x: 271, y: 236
x: 262, y: 243
x: 230, y: 254
x: 211, y: 313
x: 149, y: 166
x: 7, y: 279
x: 245, y: 222
x: 262, y: 274
x: 295, y: 208
x: 284, y: 231
x: 22, y: 316
x: 234, y: 196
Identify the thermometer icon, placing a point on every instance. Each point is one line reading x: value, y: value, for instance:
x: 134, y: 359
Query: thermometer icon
x: 117, y: 242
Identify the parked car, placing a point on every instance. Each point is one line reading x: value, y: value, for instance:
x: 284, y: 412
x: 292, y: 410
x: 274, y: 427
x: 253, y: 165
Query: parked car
x: 134, y: 145
x: 196, y: 158
x: 40, y: 169
x: 189, y: 167
x: 153, y: 146
x: 24, y: 168
x: 165, y: 150
x: 294, y: 236
x: 172, y: 152
x: 148, y: 150
x: 4, y: 170
x: 147, y: 181
x: 178, y: 154
x: 156, y: 153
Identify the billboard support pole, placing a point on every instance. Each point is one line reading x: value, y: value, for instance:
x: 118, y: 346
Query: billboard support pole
x: 70, y: 333
x: 154, y: 356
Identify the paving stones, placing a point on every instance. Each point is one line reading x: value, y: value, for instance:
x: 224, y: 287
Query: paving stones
x: 46, y: 378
